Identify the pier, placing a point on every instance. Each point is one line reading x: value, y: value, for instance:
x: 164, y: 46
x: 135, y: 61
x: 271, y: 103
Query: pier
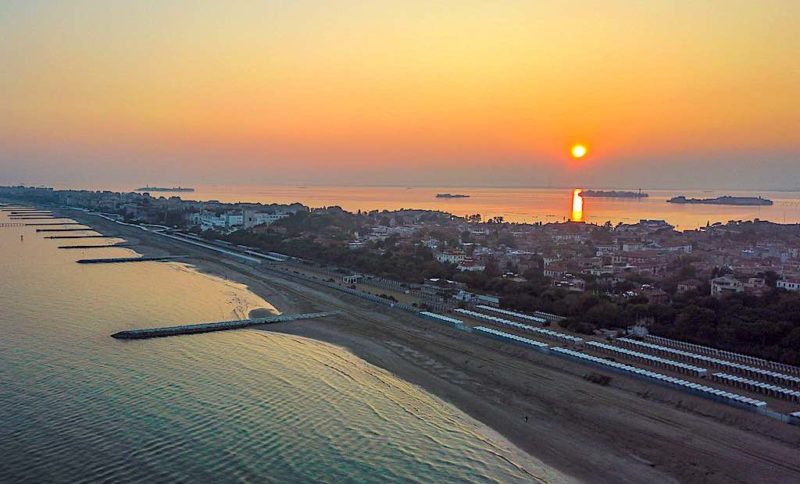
x: 122, y: 260
x: 211, y: 327
x: 11, y: 224
x: 65, y: 230
x: 49, y: 224
x: 35, y: 218
x: 111, y: 246
x: 81, y: 237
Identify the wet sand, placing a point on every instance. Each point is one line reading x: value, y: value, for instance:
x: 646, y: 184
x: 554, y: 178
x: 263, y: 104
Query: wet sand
x: 629, y: 431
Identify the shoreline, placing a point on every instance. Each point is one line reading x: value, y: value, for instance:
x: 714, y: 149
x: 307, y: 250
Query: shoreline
x: 602, y: 434
x: 532, y: 466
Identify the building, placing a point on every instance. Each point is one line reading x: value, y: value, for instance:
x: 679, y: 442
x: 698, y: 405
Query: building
x: 430, y: 243
x: 726, y: 285
x: 440, y: 288
x: 605, y: 249
x: 352, y: 278
x: 555, y: 270
x: 222, y: 222
x: 654, y: 295
x: 252, y: 219
x: 472, y: 298
x: 471, y: 265
x: 689, y: 285
x: 451, y: 257
x: 356, y: 244
x: 790, y: 284
x: 570, y: 283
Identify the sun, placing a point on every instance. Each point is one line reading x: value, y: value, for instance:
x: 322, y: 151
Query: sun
x: 579, y: 151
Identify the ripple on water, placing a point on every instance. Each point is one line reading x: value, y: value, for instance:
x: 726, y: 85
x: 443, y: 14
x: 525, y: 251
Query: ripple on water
x: 76, y: 405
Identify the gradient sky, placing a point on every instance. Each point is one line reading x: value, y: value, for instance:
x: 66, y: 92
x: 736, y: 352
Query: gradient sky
x: 665, y: 94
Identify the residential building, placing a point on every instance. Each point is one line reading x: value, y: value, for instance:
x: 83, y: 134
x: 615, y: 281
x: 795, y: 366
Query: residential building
x: 451, y: 257
x: 726, y: 285
x: 790, y: 284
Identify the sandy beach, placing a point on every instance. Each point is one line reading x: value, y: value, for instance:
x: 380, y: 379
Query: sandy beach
x: 629, y: 431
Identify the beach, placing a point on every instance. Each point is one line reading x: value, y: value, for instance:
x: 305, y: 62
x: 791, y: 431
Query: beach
x: 629, y: 431
x: 227, y: 406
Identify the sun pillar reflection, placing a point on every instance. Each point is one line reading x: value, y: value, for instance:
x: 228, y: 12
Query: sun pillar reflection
x: 577, y: 206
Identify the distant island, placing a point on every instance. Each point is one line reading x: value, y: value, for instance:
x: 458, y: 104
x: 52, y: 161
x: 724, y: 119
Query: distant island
x: 725, y: 200
x: 451, y: 195
x: 163, y: 189
x: 614, y: 194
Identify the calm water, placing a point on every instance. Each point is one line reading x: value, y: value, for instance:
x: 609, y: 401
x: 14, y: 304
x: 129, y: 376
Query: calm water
x: 515, y: 204
x: 76, y: 405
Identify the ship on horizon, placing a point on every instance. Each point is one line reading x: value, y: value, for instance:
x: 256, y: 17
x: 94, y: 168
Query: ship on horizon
x: 451, y: 195
x: 164, y: 189
x: 614, y: 194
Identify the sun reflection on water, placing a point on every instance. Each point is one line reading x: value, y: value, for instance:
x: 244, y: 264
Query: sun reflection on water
x: 577, y: 206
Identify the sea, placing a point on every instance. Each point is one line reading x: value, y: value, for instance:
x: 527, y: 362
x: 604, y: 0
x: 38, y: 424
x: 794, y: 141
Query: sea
x: 239, y: 406
x: 522, y: 205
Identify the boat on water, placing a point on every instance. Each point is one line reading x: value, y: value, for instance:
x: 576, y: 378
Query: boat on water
x: 164, y: 189
x: 451, y: 195
x: 724, y: 200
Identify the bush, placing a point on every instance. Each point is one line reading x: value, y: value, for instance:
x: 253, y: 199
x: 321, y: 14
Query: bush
x: 597, y: 378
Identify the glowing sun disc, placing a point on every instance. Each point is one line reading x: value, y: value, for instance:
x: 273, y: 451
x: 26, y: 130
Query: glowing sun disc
x: 579, y: 151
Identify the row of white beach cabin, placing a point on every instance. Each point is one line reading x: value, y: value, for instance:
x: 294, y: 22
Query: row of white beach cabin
x: 541, y: 331
x: 767, y: 375
x: 511, y: 338
x: 452, y: 322
x: 513, y: 314
x: 730, y: 355
x: 649, y: 359
x: 695, y: 388
x: 758, y: 386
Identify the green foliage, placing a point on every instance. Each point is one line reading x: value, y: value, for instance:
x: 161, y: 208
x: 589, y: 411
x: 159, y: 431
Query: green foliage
x: 767, y: 326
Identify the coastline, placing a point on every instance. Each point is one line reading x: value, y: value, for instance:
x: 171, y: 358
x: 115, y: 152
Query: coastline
x: 578, y: 428
x: 149, y: 246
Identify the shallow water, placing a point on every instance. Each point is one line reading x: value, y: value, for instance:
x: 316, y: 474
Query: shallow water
x: 77, y: 405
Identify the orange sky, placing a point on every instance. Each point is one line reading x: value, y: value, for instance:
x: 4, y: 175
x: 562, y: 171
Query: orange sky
x: 408, y: 92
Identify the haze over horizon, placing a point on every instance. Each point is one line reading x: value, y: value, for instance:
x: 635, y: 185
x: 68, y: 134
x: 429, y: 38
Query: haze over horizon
x: 664, y: 95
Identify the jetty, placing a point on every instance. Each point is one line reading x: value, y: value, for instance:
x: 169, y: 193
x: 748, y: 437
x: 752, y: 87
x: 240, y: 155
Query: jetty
x: 110, y: 246
x: 122, y: 260
x: 81, y: 237
x: 50, y: 224
x: 219, y: 326
x: 17, y: 217
x: 65, y: 230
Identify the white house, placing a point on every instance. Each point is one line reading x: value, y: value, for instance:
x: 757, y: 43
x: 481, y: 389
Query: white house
x: 209, y: 220
x: 790, y: 284
x: 252, y: 219
x: 450, y: 257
